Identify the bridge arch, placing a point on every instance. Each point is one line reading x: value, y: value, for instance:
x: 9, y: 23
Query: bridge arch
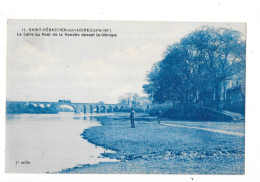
x: 110, y: 109
x: 84, y: 109
x: 115, y: 109
x: 75, y: 110
x: 33, y: 105
x: 97, y: 109
x: 41, y: 105
x: 103, y: 109
x: 91, y: 108
x: 121, y: 108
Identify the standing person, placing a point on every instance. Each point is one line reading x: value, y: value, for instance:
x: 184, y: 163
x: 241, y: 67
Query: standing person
x: 132, y: 118
x: 159, y: 116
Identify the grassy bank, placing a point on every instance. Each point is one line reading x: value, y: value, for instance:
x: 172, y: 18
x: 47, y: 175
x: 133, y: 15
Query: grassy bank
x: 154, y: 148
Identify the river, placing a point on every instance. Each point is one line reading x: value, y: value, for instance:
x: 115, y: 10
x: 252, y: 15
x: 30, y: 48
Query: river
x: 40, y: 143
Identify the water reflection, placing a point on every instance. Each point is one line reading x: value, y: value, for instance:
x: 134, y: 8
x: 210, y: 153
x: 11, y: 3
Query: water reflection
x: 50, y: 142
x: 77, y: 118
x: 85, y: 118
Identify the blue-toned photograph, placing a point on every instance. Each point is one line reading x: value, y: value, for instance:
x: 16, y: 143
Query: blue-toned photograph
x: 125, y: 97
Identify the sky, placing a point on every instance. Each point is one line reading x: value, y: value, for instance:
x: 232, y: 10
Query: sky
x: 89, y: 69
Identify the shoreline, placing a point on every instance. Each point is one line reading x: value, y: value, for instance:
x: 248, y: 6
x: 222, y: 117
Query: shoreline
x: 156, y: 149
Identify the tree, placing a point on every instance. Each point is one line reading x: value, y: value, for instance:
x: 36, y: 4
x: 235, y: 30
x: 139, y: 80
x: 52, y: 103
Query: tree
x: 123, y: 100
x: 198, y: 64
x: 133, y: 100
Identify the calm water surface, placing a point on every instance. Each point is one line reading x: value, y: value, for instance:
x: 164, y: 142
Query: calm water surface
x: 39, y: 143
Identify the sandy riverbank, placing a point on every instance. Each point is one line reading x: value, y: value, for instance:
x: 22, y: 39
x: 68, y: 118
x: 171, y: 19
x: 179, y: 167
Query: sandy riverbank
x: 153, y: 148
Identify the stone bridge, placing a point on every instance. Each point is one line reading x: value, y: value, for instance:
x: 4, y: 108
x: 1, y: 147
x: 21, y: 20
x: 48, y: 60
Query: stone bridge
x: 78, y: 107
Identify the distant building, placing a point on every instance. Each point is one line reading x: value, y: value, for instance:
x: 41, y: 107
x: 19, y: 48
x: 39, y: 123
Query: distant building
x: 233, y: 93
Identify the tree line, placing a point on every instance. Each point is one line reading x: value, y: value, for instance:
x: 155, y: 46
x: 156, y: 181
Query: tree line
x: 195, y: 67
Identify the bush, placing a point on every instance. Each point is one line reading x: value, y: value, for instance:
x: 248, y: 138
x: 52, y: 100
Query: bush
x: 190, y: 112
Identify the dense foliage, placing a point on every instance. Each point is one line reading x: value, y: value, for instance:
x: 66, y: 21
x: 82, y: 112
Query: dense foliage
x: 196, y: 66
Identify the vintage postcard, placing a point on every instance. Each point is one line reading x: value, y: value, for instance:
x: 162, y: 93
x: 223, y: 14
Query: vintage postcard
x: 125, y: 97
